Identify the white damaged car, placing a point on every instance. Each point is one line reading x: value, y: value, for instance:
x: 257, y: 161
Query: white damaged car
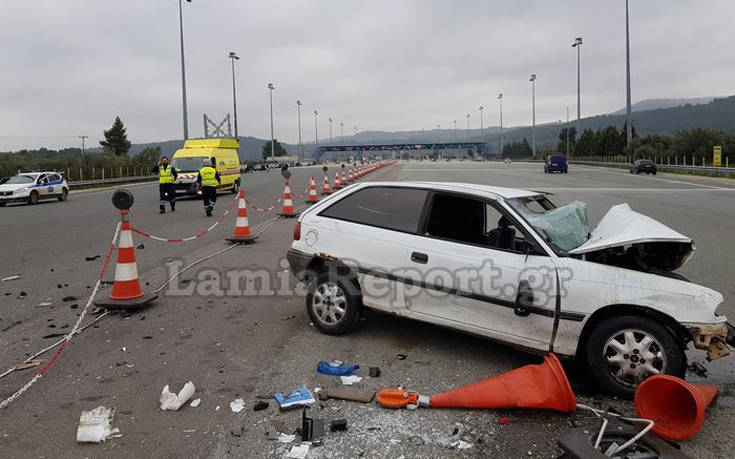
x: 31, y: 187
x: 508, y: 265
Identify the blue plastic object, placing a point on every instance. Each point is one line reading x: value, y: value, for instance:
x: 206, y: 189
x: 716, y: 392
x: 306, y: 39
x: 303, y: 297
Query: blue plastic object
x: 336, y: 370
x: 299, y: 397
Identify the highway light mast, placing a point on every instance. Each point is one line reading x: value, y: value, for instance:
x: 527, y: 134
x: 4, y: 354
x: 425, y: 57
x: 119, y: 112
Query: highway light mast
x: 233, y: 58
x: 480, y: 110
x: 316, y: 128
x: 628, y: 124
x: 183, y: 69
x: 533, y: 109
x: 273, y: 147
x: 578, y: 44
x: 298, y: 116
x: 500, y: 138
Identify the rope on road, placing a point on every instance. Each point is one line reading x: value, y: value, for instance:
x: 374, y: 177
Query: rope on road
x: 75, y: 329
x: 190, y: 238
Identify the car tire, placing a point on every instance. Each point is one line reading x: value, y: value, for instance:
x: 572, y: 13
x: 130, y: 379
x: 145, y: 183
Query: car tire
x: 64, y: 194
x: 235, y: 187
x: 623, y: 351
x: 333, y: 304
x: 653, y: 173
x: 33, y: 198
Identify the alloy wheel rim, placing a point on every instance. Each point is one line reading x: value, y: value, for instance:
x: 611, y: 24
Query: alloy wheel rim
x: 632, y: 355
x: 329, y: 303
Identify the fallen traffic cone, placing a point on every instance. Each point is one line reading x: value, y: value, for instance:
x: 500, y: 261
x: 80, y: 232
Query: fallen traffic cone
x: 532, y: 386
x: 126, y: 291
x: 675, y: 406
x: 326, y: 189
x: 312, y: 198
x: 337, y: 184
x: 242, y: 226
x: 287, y: 210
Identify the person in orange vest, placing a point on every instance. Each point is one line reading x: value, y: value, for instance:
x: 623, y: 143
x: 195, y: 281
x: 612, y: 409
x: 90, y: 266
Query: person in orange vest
x: 166, y: 177
x: 208, y: 180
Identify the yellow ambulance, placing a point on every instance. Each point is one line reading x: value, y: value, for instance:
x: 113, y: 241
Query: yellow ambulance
x: 188, y: 160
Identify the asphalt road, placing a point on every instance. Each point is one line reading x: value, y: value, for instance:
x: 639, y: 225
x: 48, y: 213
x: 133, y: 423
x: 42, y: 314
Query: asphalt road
x: 234, y: 346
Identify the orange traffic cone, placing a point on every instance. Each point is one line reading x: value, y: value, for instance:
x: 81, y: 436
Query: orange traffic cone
x: 326, y: 189
x: 344, y: 178
x: 312, y: 198
x: 675, y: 406
x: 337, y: 184
x: 287, y: 210
x: 126, y: 291
x: 242, y: 226
x: 351, y: 177
x: 531, y: 386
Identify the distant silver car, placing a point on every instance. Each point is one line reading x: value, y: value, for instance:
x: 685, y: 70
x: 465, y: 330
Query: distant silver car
x: 31, y: 187
x: 509, y: 265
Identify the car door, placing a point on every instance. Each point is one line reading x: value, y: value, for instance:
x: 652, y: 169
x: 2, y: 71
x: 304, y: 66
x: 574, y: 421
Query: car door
x: 475, y: 268
x: 370, y: 230
x: 54, y: 184
x: 42, y: 186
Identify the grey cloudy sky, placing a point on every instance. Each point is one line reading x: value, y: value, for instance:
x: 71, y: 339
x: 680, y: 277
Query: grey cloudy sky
x: 69, y: 67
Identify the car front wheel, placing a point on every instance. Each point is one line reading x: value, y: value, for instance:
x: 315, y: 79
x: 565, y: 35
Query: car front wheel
x: 333, y: 304
x: 623, y: 351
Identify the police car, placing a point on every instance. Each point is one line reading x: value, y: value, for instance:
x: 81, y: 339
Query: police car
x: 31, y: 187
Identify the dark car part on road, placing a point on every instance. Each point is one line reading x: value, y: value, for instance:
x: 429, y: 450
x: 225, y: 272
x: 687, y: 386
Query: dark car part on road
x: 622, y: 351
x: 579, y: 443
x: 311, y: 429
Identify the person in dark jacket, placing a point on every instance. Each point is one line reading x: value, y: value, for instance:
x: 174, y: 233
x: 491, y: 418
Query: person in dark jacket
x: 208, y: 180
x: 166, y: 177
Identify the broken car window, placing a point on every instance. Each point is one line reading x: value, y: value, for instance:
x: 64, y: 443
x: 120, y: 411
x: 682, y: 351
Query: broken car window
x: 566, y: 227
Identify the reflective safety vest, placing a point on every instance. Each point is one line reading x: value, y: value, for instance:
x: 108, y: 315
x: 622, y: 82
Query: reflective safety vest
x: 165, y: 175
x: 208, y: 174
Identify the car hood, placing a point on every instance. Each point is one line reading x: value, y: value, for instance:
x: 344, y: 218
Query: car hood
x: 15, y: 186
x: 655, y: 243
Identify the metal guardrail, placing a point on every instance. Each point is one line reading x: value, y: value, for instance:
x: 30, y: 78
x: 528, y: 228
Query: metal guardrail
x: 140, y: 178
x: 704, y: 170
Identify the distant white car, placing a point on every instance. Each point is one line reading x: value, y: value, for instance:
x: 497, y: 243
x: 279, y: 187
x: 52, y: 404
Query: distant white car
x: 508, y: 265
x: 506, y: 160
x: 32, y: 187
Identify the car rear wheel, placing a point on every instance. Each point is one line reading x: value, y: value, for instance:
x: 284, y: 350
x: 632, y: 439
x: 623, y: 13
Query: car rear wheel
x: 64, y: 194
x: 623, y: 351
x: 33, y: 198
x: 332, y: 304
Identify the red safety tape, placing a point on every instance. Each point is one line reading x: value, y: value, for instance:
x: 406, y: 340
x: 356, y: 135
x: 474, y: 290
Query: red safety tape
x: 190, y: 238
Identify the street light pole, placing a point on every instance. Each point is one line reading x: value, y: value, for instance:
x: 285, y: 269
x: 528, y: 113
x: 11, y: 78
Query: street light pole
x: 568, y: 131
x: 342, y: 132
x: 500, y: 138
x: 234, y: 57
x: 316, y: 128
x: 83, y: 137
x: 480, y: 110
x: 183, y: 70
x: 455, y: 131
x: 330, y: 131
x: 629, y: 125
x: 355, y: 128
x: 533, y: 109
x: 273, y: 147
x: 578, y: 44
x: 298, y: 116
x: 468, y: 126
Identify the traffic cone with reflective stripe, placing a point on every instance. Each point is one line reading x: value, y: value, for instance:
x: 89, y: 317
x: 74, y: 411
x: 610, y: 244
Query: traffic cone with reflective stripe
x: 337, y: 184
x: 126, y: 291
x: 242, y: 226
x: 344, y: 178
x: 312, y: 198
x: 351, y: 177
x: 326, y: 189
x: 287, y: 210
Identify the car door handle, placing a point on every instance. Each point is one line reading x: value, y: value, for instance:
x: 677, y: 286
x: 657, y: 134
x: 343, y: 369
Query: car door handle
x: 418, y: 257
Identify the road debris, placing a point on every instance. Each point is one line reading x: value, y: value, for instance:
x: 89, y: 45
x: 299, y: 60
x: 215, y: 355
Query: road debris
x: 285, y: 438
x: 311, y: 429
x: 338, y: 425
x: 289, y: 317
x: 260, y: 405
x: 351, y: 394
x: 69, y: 298
x: 350, y: 380
x: 300, y: 396
x: 299, y: 451
x: 698, y: 368
x: 172, y: 402
x: 374, y: 372
x: 195, y: 403
x: 461, y: 444
x: 237, y: 405
x: 10, y: 278
x: 44, y: 304
x: 140, y: 247
x: 92, y: 257
x: 96, y: 425
x: 335, y: 368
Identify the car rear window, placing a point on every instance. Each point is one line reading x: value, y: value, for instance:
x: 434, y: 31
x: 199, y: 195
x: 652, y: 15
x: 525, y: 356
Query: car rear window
x: 559, y: 159
x: 385, y: 207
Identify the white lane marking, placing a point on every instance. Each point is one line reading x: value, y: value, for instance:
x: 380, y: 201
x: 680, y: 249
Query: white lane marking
x: 647, y: 177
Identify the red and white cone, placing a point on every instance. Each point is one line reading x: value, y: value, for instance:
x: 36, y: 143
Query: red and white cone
x: 242, y: 225
x: 344, y: 178
x: 312, y: 198
x: 326, y: 189
x: 287, y: 210
x: 126, y: 291
x: 351, y: 177
x: 337, y: 183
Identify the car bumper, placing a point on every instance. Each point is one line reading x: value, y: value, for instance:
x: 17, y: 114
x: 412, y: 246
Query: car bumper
x: 298, y: 262
x: 713, y: 338
x: 183, y: 189
x: 8, y: 199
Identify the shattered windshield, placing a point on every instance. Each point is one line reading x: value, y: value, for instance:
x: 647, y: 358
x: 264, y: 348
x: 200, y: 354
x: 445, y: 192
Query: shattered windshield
x: 566, y: 227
